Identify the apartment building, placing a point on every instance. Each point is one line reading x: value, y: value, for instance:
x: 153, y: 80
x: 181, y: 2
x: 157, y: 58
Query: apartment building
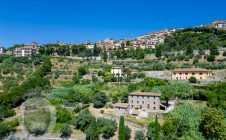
x: 186, y: 73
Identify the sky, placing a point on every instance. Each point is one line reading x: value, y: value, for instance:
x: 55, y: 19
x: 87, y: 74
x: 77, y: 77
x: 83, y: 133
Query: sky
x: 76, y: 21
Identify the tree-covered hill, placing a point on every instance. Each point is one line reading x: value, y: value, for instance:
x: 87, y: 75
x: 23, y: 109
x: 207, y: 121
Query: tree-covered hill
x: 196, y: 38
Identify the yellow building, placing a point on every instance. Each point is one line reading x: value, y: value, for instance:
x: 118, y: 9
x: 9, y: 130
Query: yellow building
x: 186, y: 73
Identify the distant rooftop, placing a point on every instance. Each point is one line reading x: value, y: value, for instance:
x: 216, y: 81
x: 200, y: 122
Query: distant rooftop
x: 191, y: 70
x: 121, y: 105
x: 145, y: 94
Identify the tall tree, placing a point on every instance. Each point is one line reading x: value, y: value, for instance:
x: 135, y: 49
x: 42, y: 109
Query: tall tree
x: 104, y: 55
x: 157, y: 129
x: 212, y: 124
x: 158, y: 52
x: 121, y: 135
x: 95, y: 50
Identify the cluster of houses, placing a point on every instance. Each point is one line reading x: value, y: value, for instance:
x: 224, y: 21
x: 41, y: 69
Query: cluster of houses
x: 149, y: 40
x: 144, y: 104
x: 220, y: 24
x: 23, y: 51
x: 177, y: 74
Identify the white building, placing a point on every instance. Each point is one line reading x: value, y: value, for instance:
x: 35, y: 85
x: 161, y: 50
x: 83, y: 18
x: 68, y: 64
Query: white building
x: 26, y: 50
x: 117, y: 71
x: 2, y: 50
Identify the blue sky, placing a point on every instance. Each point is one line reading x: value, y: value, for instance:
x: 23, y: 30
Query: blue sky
x: 46, y: 21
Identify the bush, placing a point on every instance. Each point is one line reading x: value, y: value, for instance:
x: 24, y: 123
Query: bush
x: 107, y: 126
x: 127, y: 133
x: 6, y: 112
x: 83, y: 120
x: 102, y: 111
x: 141, y: 75
x: 99, y: 100
x: 7, y: 127
x: 65, y: 131
x: 139, y: 135
x: 211, y: 58
x: 63, y: 115
x: 224, y: 53
x: 192, y: 79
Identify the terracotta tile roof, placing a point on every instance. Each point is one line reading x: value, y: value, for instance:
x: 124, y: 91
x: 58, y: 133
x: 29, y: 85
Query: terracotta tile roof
x: 121, y: 105
x: 191, y: 70
x: 145, y: 94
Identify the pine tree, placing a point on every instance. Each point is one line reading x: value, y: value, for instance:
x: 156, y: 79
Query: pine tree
x: 121, y: 132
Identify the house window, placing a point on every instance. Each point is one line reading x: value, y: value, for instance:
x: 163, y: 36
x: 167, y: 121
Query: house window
x: 148, y: 106
x: 137, y: 102
x: 154, y: 97
x: 132, y: 106
x: 179, y: 73
x: 154, y: 103
x: 174, y: 73
x: 186, y: 73
x: 132, y: 101
x: 201, y: 78
x: 140, y: 106
x: 153, y: 108
x: 200, y: 73
x: 193, y: 73
x: 177, y: 78
x: 143, y: 102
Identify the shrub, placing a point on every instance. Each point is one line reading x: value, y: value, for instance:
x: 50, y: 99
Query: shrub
x: 83, y: 120
x: 65, y: 131
x: 211, y: 58
x: 127, y: 133
x: 107, y: 126
x: 99, y: 100
x: 102, y: 111
x: 224, y: 53
x: 63, y: 115
x: 141, y: 75
x: 192, y: 79
x: 139, y: 135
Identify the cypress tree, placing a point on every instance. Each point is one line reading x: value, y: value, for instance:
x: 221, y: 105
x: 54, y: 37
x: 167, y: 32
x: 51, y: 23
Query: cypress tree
x: 95, y: 50
x: 121, y: 132
x: 157, y: 129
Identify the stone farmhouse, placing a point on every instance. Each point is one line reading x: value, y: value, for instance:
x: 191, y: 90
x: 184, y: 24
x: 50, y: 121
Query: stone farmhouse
x: 140, y: 104
x: 186, y: 73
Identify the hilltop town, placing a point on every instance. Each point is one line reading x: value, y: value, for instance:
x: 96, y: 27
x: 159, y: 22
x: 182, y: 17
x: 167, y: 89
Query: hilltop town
x: 168, y: 84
